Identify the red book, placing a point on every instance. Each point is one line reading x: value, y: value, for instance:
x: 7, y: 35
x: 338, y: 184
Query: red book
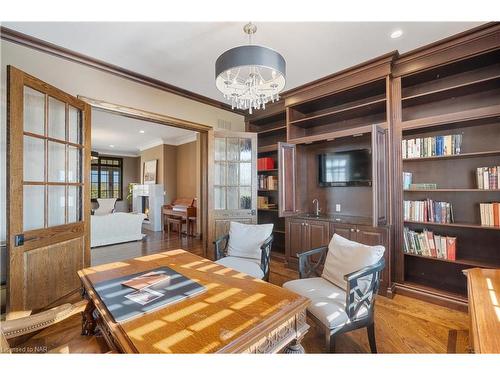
x: 451, y: 248
x: 496, y: 209
x: 264, y: 164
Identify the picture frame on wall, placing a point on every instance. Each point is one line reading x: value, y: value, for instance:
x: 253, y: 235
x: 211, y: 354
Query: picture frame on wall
x: 149, y: 172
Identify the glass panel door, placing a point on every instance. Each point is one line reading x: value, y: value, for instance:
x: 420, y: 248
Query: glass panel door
x: 52, y: 161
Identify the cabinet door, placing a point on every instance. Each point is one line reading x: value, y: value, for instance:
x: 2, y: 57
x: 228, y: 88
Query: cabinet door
x: 376, y: 236
x: 295, y: 237
x: 286, y: 180
x: 316, y: 234
x: 370, y: 236
x: 344, y: 230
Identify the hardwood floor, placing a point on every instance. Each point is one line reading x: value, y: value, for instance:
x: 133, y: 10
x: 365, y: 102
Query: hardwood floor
x: 403, y: 324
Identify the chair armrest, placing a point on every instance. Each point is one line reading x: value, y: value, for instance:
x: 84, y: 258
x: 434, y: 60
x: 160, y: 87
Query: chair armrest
x: 365, y: 271
x: 356, y: 297
x: 265, y: 256
x: 306, y: 267
x: 18, y: 327
x: 221, y: 246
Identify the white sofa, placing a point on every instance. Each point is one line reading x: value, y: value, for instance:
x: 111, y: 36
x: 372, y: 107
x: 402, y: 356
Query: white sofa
x: 115, y: 228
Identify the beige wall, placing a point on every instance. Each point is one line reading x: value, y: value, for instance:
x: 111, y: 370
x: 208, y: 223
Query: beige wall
x: 77, y: 79
x: 170, y: 172
x: 187, y: 180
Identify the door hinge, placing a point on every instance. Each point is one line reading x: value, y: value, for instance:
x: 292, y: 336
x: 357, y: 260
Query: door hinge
x: 19, y: 240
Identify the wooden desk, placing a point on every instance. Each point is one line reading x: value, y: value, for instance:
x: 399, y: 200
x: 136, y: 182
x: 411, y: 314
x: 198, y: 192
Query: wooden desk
x: 237, y: 313
x: 484, y: 309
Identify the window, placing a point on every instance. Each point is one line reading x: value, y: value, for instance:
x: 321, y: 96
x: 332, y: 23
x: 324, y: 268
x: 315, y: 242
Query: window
x: 106, y: 177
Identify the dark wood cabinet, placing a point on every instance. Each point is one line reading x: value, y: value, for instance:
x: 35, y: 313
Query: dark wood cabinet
x: 317, y: 234
x: 294, y: 238
x: 303, y: 235
x: 344, y: 230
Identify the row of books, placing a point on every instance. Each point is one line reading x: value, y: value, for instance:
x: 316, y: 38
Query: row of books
x: 488, y: 178
x: 268, y: 182
x: 263, y: 202
x: 432, y: 146
x: 490, y: 214
x: 409, y: 185
x: 428, y: 211
x: 428, y: 244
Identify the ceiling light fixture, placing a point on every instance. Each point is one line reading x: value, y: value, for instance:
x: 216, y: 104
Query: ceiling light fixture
x: 112, y: 146
x: 396, y: 34
x: 141, y: 131
x: 250, y: 76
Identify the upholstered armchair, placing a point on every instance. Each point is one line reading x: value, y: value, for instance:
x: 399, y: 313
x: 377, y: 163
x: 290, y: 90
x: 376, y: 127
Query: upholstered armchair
x: 247, y: 248
x: 343, y: 295
x: 10, y: 329
x: 106, y: 206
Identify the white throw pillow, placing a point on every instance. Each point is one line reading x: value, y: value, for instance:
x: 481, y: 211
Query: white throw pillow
x: 345, y: 256
x: 245, y: 240
x: 106, y: 206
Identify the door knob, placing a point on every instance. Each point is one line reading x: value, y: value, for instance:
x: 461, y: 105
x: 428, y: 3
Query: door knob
x: 352, y: 229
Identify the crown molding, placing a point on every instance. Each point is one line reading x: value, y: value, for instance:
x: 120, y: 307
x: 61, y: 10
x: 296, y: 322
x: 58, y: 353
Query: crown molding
x: 67, y: 54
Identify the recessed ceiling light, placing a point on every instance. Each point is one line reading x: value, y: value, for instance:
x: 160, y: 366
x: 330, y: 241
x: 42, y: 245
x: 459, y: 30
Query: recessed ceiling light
x: 396, y: 34
x: 111, y: 146
x: 141, y: 131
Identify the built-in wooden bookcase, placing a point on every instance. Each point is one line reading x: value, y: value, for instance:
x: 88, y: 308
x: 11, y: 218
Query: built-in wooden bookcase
x: 462, y: 97
x: 270, y: 126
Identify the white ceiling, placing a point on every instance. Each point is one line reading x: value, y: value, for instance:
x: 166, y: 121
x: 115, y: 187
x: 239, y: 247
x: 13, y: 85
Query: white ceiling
x: 184, y: 54
x: 125, y: 134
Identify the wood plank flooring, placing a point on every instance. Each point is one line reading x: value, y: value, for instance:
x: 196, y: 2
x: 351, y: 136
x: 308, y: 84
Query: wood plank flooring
x: 403, y: 324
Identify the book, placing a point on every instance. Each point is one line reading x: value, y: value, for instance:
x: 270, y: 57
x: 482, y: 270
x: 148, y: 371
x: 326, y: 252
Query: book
x: 407, y: 180
x: 451, y: 248
x: 146, y: 280
x: 422, y: 186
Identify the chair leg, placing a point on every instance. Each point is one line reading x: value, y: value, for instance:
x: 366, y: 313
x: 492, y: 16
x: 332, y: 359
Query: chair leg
x: 330, y: 342
x: 371, y: 337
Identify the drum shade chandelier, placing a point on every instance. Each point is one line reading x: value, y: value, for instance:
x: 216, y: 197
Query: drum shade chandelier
x: 250, y: 76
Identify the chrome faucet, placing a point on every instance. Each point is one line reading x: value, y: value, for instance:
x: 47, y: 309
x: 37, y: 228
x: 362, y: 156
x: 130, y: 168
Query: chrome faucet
x: 318, y: 210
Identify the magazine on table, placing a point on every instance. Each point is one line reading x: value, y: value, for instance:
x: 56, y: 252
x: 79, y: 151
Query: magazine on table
x: 144, y: 296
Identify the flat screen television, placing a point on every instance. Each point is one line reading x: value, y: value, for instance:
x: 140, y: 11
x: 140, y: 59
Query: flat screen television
x: 346, y: 168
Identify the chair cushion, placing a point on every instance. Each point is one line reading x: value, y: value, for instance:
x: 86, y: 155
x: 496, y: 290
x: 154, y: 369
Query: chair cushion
x: 328, y: 301
x: 345, y: 256
x: 245, y: 240
x: 106, y: 206
x: 249, y: 266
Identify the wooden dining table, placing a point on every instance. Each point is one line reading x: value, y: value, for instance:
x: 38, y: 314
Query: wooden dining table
x: 235, y: 314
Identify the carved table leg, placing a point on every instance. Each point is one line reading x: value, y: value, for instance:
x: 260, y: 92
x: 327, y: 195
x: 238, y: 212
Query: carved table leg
x: 88, y: 321
x: 295, y: 347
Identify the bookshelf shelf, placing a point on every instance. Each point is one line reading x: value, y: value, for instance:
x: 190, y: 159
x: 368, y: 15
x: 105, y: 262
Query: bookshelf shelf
x: 464, y: 88
x: 268, y: 148
x: 457, y: 225
x: 268, y: 190
x: 457, y: 156
x: 268, y: 170
x: 359, y: 109
x: 451, y: 190
x: 281, y: 128
x: 466, y: 262
x: 268, y: 209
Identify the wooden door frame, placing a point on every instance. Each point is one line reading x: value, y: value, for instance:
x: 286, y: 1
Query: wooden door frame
x: 204, y: 130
